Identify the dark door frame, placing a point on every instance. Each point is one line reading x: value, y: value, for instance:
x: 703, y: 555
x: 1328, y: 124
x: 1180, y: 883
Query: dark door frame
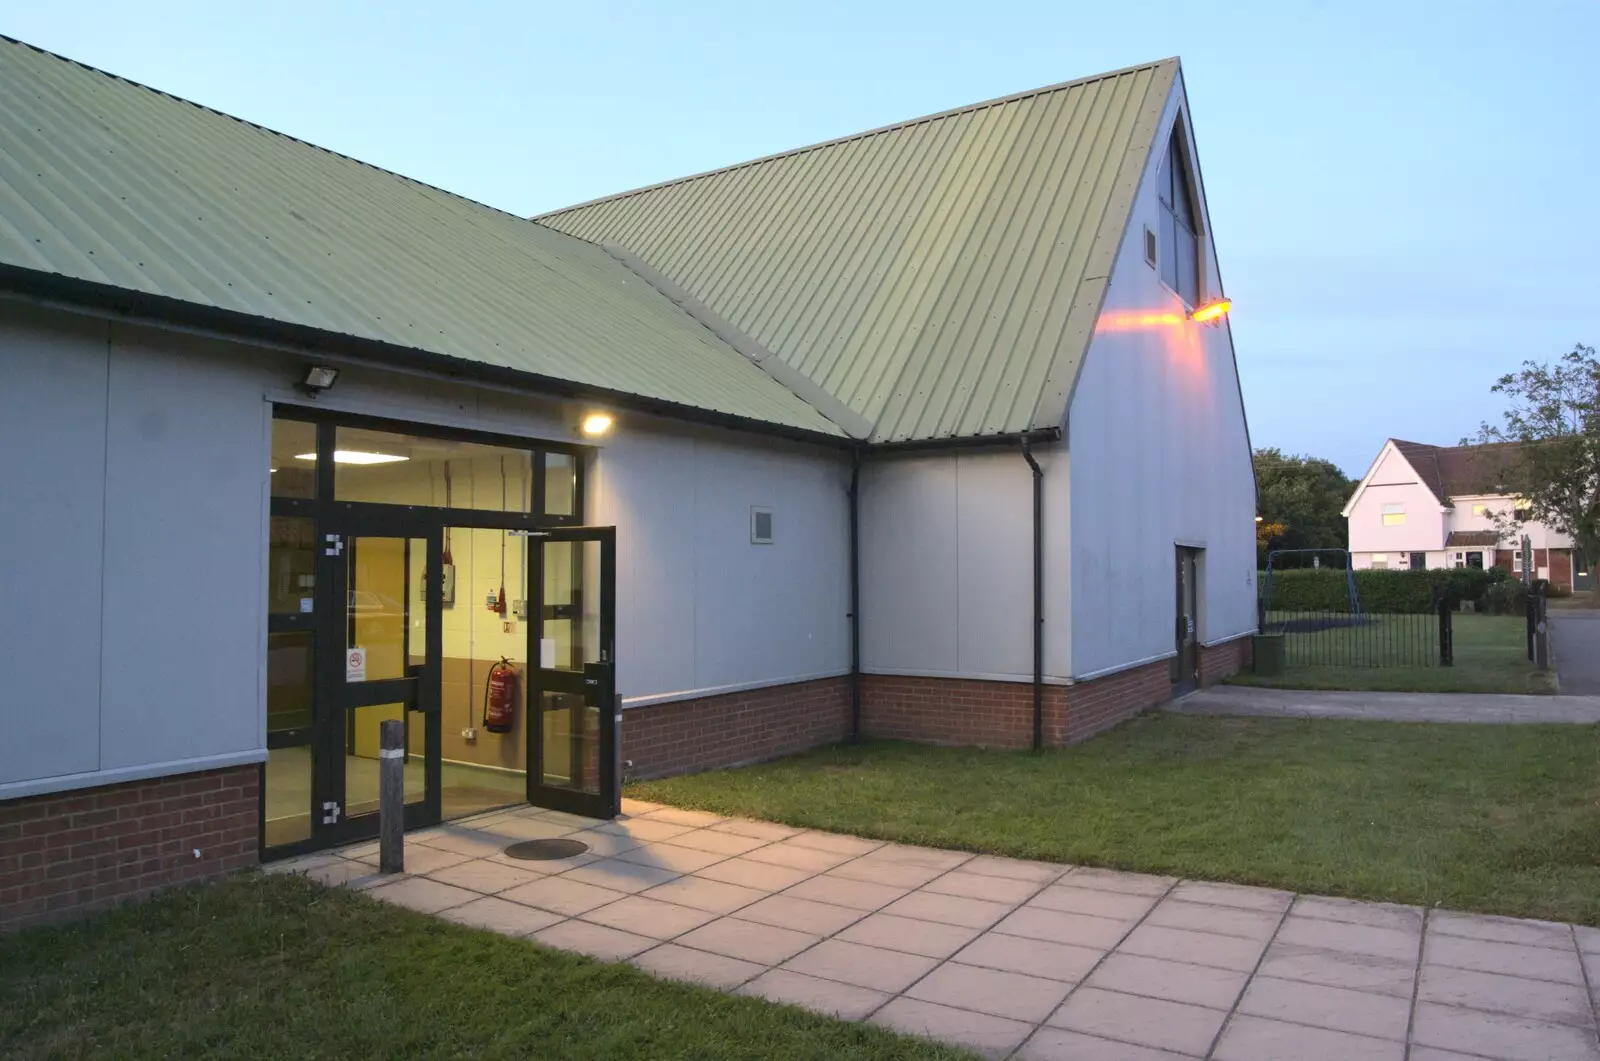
x: 333, y: 697
x: 595, y: 683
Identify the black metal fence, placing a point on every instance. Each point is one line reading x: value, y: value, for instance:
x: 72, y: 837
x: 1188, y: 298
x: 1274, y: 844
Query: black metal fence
x: 1364, y: 639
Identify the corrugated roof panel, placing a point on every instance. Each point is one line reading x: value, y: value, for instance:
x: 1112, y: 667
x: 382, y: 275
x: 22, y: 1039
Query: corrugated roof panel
x: 107, y: 181
x: 940, y: 276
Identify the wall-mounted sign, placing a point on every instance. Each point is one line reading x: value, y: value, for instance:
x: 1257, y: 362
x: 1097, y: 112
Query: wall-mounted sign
x: 355, y: 665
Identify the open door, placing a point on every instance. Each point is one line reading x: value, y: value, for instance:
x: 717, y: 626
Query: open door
x: 1185, y: 664
x: 573, y: 710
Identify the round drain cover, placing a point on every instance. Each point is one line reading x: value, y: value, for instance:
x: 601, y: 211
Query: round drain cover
x: 546, y: 850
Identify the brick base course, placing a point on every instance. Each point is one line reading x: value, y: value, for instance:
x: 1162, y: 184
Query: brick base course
x: 735, y: 728
x: 1221, y: 661
x: 738, y: 728
x: 70, y: 853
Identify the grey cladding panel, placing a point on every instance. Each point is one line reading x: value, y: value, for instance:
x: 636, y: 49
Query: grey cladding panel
x: 52, y: 482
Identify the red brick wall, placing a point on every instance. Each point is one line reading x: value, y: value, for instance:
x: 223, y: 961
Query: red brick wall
x: 68, y: 853
x: 734, y: 728
x: 1220, y: 661
x: 1101, y: 703
x: 1560, y: 564
x: 957, y: 711
x: 997, y: 714
x: 721, y: 731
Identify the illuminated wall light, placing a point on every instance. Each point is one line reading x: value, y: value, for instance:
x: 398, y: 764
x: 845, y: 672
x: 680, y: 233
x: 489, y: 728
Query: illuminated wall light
x: 596, y: 424
x: 354, y: 456
x: 1212, y: 310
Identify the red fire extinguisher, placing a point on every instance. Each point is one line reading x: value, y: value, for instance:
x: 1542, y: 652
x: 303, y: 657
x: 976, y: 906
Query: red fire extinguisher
x: 500, y: 697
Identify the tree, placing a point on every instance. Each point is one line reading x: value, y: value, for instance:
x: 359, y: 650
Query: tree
x: 1300, y: 501
x: 1554, y: 411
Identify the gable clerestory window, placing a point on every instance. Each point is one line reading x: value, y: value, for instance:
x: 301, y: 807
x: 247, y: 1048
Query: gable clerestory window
x: 1180, y: 239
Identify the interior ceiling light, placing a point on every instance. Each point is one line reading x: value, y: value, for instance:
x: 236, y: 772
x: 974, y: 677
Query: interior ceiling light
x: 596, y: 424
x: 1210, y: 311
x: 354, y: 456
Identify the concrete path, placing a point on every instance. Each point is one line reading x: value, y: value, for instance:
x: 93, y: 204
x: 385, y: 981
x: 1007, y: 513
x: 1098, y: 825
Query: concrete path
x: 1575, y: 646
x: 1391, y: 707
x: 1011, y: 959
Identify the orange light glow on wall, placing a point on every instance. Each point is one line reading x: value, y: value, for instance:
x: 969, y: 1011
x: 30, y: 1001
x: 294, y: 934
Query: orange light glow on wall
x: 1127, y: 322
x: 1212, y: 310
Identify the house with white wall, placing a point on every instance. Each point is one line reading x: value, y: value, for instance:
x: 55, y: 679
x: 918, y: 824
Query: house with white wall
x: 1422, y: 506
x: 933, y: 432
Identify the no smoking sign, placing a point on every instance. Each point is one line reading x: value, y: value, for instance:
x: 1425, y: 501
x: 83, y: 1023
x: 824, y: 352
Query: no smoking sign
x: 355, y: 665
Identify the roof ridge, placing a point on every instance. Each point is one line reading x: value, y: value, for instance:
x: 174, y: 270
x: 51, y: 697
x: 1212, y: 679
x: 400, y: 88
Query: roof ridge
x: 879, y: 130
x: 257, y: 125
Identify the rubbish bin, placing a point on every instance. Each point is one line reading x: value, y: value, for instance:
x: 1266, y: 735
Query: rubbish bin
x: 1268, y: 650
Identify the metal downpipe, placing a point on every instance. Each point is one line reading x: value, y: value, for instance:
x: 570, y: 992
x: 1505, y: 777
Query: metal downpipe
x: 855, y: 595
x: 1038, y: 593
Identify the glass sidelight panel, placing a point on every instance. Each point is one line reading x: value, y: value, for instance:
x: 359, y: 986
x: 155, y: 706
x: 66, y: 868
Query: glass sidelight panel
x: 560, y: 484
x: 287, y: 797
x: 294, y: 459
x: 361, y: 757
x: 291, y: 566
x: 290, y: 685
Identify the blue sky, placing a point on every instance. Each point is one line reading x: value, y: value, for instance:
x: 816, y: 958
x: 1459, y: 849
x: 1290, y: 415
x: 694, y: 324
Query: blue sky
x: 1406, y: 196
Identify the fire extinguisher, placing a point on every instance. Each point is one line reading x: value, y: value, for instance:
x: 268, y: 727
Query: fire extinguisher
x: 500, y: 697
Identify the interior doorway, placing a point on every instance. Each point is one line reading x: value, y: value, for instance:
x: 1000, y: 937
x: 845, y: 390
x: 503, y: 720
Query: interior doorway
x: 445, y: 581
x: 1186, y: 660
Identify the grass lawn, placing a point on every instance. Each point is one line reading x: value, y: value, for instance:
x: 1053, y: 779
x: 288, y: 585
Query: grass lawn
x: 1503, y: 819
x: 1491, y: 656
x: 277, y: 967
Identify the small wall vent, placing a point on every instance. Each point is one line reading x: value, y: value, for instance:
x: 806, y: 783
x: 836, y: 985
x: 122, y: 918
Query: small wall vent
x: 760, y: 526
x: 1149, y: 247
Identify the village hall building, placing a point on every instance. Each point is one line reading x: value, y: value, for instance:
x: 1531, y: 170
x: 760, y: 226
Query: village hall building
x: 933, y: 432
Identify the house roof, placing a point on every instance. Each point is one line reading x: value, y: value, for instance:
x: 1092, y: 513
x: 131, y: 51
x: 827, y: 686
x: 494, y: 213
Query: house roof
x: 1458, y: 471
x: 109, y: 186
x: 1457, y: 539
x: 941, y: 277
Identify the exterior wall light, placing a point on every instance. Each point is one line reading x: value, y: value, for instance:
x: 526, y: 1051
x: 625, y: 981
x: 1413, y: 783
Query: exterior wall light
x: 1210, y: 311
x: 318, y: 378
x: 596, y: 424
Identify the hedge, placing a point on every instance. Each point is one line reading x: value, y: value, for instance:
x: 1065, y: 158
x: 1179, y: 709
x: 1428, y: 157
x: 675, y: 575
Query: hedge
x: 1325, y: 589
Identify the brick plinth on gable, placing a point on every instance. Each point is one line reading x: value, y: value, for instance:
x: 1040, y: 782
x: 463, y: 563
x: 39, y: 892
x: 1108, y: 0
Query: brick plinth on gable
x: 737, y: 728
x: 70, y: 853
x: 686, y: 736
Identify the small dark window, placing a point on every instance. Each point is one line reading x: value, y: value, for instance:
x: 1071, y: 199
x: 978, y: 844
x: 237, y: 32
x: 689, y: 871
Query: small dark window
x: 1475, y: 560
x: 761, y: 526
x: 1180, y: 244
x: 1522, y: 514
x: 1419, y: 561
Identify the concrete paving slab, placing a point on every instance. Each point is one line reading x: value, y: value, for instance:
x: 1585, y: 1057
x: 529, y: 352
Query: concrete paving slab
x: 1490, y: 708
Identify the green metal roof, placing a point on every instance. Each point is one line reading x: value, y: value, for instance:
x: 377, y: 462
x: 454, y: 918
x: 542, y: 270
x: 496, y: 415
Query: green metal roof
x: 940, y: 277
x: 106, y: 181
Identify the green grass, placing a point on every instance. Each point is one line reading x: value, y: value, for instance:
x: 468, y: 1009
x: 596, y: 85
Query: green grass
x: 1494, y: 818
x: 277, y: 967
x: 1491, y: 656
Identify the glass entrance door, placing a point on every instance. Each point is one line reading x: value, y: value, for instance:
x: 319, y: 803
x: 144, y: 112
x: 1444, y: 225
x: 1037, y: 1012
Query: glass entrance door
x: 573, y: 710
x: 380, y: 661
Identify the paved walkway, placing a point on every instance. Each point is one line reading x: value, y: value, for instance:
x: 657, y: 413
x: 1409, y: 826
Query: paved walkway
x: 1012, y: 959
x: 1575, y: 646
x: 1392, y: 707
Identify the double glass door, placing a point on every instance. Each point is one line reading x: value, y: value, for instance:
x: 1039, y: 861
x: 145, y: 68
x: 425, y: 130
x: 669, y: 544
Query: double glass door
x: 493, y: 645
